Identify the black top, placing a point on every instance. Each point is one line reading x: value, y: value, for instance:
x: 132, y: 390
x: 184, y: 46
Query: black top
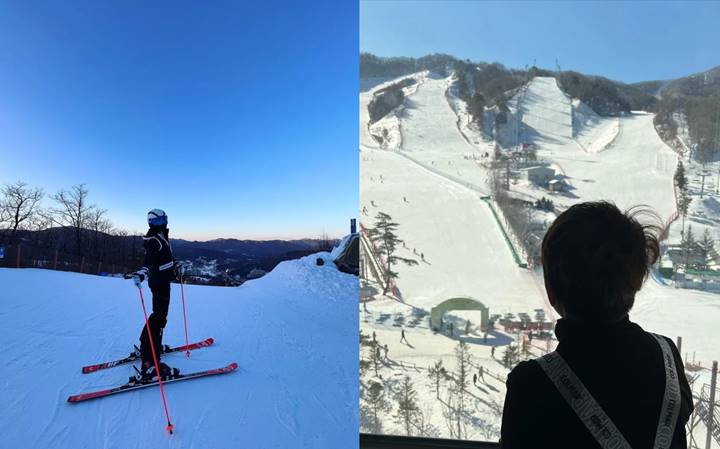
x: 620, y: 364
x: 158, y: 256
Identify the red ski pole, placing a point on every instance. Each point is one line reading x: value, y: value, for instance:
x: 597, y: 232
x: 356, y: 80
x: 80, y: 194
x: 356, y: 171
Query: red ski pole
x: 157, y: 365
x: 182, y: 293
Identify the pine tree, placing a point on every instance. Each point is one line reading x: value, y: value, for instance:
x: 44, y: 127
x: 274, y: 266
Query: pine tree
x: 688, y: 245
x: 705, y: 247
x: 437, y: 374
x: 374, y: 405
x: 680, y: 178
x: 408, y: 411
x: 386, y: 240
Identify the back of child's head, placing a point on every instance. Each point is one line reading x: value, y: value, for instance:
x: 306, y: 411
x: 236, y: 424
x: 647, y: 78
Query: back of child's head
x: 595, y: 258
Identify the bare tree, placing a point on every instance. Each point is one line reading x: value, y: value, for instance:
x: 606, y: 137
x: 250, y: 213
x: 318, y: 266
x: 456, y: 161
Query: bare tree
x: 98, y: 224
x: 73, y: 211
x: 19, y: 203
x: 437, y: 374
x: 324, y: 243
x: 38, y: 222
x: 461, y: 379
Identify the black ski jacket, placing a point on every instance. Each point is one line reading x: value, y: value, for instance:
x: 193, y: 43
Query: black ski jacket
x: 158, y: 263
x: 620, y: 364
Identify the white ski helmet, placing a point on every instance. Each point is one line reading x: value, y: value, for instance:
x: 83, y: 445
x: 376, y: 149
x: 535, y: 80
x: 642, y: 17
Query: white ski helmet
x: 157, y: 217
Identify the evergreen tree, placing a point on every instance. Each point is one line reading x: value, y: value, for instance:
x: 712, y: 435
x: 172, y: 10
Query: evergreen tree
x: 680, y: 178
x: 386, y: 240
x: 705, y: 247
x: 408, y: 412
x: 373, y: 406
x: 688, y: 245
x: 476, y: 107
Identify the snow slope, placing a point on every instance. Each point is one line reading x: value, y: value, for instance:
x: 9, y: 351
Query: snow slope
x: 465, y: 253
x: 290, y: 332
x: 636, y: 168
x: 546, y: 111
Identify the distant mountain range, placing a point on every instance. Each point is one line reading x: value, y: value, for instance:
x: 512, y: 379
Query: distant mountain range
x: 221, y: 249
x: 228, y: 257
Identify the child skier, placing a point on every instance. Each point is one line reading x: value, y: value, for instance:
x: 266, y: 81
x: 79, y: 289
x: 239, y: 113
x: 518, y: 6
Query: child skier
x: 159, y: 268
x: 609, y: 383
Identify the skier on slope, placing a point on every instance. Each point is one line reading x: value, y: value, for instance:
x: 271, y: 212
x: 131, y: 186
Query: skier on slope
x: 159, y: 268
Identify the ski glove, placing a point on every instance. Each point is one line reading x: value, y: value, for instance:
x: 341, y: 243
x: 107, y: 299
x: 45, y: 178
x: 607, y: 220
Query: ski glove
x: 180, y: 267
x: 138, y: 277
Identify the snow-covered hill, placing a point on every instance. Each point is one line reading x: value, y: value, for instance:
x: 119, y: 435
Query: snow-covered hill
x: 289, y: 332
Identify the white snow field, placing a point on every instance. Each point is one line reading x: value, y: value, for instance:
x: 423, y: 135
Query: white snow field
x: 291, y: 332
x: 636, y: 168
x: 465, y: 254
x: 429, y: 131
x: 441, y: 216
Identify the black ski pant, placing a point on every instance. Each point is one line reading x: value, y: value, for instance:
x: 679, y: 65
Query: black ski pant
x: 157, y: 321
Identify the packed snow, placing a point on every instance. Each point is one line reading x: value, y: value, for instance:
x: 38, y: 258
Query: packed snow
x: 291, y: 333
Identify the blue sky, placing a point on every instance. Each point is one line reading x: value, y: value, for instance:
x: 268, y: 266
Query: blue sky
x: 237, y: 118
x: 626, y: 41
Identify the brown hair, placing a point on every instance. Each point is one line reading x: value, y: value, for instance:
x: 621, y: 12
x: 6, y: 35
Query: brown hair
x: 595, y: 258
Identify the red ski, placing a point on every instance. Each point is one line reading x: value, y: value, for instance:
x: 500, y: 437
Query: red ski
x: 191, y: 347
x: 130, y: 387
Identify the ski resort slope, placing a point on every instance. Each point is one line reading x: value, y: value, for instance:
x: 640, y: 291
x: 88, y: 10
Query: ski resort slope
x: 635, y: 167
x: 545, y: 110
x: 428, y: 130
x: 430, y: 133
x: 465, y: 253
x: 290, y: 332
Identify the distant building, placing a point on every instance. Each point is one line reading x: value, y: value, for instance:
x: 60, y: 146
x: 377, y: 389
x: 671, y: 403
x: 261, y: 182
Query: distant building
x: 680, y: 257
x: 255, y: 273
x: 540, y: 174
x: 556, y: 185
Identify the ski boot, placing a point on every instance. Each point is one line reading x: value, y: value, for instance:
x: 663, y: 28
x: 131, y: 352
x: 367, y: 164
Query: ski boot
x: 147, y: 374
x: 135, y: 352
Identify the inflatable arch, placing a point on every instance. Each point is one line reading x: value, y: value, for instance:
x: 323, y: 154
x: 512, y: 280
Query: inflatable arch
x: 461, y: 303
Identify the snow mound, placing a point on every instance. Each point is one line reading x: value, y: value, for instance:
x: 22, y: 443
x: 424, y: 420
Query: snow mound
x: 290, y: 333
x: 593, y: 132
